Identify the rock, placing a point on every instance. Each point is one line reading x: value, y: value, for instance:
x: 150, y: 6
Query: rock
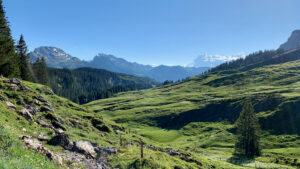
x: 61, y: 140
x: 14, y: 81
x: 50, y: 92
x: 172, y: 152
x: 10, y: 105
x: 34, y: 144
x: 46, y: 109
x: 25, y: 88
x: 54, y: 157
x: 110, y: 150
x: 25, y: 113
x: 103, y: 128
x: 24, y: 130
x: 21, y: 103
x: 85, y: 147
x: 31, y: 109
x: 59, y: 131
x: 36, y: 102
x: 41, y: 136
x: 13, y: 87
x: 1, y: 77
x: 3, y: 99
x: 42, y: 123
x: 58, y: 125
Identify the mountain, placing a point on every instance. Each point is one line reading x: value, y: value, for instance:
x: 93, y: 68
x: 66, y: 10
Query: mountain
x: 199, y: 113
x: 57, y: 58
x: 83, y: 85
x: 293, y: 42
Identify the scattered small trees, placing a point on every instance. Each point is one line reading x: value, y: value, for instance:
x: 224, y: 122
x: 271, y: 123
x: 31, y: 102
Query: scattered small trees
x: 25, y: 65
x: 248, y: 132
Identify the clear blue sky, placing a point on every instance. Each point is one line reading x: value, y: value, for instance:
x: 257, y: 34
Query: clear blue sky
x: 154, y: 31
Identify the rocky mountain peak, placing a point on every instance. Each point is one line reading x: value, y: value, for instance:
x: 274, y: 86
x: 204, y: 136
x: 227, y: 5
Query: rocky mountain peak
x: 293, y: 41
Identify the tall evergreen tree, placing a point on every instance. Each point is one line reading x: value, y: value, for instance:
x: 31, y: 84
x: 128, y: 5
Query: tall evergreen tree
x: 248, y: 132
x: 25, y: 66
x: 9, y: 62
x: 40, y: 71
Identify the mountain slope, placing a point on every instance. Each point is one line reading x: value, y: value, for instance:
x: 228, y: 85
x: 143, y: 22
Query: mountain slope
x: 293, y: 42
x: 70, y: 135
x: 57, y: 58
x: 87, y: 84
x: 198, y: 114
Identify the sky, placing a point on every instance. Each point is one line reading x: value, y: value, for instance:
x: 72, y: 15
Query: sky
x: 170, y: 32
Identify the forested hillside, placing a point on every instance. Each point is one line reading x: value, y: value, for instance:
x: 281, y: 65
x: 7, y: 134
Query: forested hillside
x: 87, y: 84
x: 199, y: 113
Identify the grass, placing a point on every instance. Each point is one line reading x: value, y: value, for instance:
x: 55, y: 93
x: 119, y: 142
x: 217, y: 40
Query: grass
x: 197, y: 115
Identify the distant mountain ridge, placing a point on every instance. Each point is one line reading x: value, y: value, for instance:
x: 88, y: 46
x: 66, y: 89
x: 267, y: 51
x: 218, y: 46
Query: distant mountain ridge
x: 57, y: 58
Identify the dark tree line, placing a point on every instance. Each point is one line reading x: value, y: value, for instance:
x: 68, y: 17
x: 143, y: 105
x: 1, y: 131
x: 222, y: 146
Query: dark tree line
x: 87, y: 84
x: 14, y: 60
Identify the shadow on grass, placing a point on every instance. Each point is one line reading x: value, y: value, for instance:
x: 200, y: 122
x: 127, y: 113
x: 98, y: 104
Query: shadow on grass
x: 240, y: 160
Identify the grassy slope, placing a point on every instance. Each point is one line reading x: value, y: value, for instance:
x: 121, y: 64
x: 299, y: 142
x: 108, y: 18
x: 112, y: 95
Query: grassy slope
x: 197, y: 114
x: 78, y: 122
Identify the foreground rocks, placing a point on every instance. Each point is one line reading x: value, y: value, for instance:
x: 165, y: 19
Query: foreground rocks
x: 83, y: 153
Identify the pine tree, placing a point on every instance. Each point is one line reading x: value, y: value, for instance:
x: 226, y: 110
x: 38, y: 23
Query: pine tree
x: 248, y: 132
x: 9, y: 62
x: 40, y: 71
x: 25, y: 66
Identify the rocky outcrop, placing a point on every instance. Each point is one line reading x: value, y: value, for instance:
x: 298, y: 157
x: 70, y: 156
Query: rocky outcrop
x: 41, y: 136
x: 293, y: 41
x: 9, y: 105
x: 85, y: 147
x: 25, y: 113
x: 61, y: 140
x: 36, y: 145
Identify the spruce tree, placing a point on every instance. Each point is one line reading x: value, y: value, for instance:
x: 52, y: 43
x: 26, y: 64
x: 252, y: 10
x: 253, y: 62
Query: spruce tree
x: 25, y: 66
x: 248, y: 132
x: 41, y: 71
x: 9, y: 62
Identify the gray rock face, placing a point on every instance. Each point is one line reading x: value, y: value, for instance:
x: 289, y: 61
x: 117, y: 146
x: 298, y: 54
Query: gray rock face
x: 25, y: 113
x: 293, y: 41
x: 61, y: 140
x: 41, y: 136
x: 10, y: 105
x: 85, y: 147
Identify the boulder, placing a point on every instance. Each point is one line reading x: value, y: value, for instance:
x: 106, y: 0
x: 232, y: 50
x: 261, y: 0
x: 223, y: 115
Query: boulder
x: 25, y: 88
x: 3, y: 99
x: 45, y: 109
x: 34, y: 144
x: 54, y: 157
x: 10, y: 105
x: 61, y: 140
x: 85, y: 147
x: 50, y: 92
x: 21, y: 103
x: 14, y: 87
x: 41, y: 136
x: 42, y: 123
x: 14, y: 81
x: 25, y: 113
x: 36, y: 102
x: 59, y: 131
x: 31, y: 109
x: 58, y: 125
x: 110, y: 150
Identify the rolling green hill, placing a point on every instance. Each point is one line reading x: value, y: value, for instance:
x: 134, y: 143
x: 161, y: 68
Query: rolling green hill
x: 198, y: 114
x: 83, y: 85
